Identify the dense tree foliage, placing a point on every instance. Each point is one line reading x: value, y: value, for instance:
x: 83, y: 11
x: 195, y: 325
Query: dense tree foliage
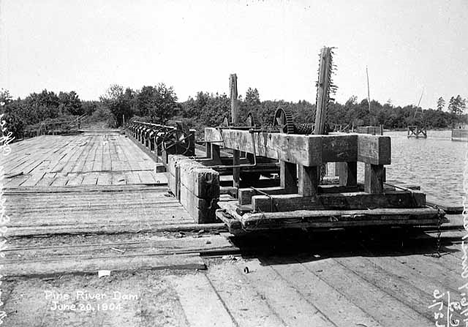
x: 457, y: 105
x: 159, y: 104
x: 210, y: 110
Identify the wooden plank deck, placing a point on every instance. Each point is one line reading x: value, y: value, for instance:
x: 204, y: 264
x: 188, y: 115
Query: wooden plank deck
x: 84, y: 203
x: 84, y: 159
x: 337, y: 280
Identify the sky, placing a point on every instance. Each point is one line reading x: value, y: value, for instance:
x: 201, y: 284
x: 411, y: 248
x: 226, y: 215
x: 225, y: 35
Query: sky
x: 411, y: 47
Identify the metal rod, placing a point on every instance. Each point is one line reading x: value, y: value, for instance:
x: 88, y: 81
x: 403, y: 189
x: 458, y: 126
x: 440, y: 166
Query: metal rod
x: 242, y: 165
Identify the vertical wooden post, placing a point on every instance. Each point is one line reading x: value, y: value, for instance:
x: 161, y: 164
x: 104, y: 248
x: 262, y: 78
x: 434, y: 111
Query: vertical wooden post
x: 215, y: 153
x: 374, y: 178
x: 308, y: 180
x: 347, y: 171
x: 323, y: 97
x: 208, y: 149
x: 191, y: 151
x: 156, y: 150
x: 288, y: 176
x: 234, y: 116
x: 323, y: 90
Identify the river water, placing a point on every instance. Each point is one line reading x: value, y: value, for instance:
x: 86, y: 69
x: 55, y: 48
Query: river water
x: 436, y: 164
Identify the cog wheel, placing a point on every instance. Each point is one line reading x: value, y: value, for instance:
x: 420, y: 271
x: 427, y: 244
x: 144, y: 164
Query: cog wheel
x: 283, y: 119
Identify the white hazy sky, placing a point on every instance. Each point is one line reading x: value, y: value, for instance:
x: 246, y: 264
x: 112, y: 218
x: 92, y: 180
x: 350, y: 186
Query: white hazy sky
x: 408, y: 45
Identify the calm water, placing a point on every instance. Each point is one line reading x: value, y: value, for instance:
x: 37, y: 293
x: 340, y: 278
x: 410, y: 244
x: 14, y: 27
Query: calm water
x: 436, y: 164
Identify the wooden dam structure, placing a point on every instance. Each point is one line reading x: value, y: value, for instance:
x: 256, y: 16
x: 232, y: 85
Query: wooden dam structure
x: 244, y: 229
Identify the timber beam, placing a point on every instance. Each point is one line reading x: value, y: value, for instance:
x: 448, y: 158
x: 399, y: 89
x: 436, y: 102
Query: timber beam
x: 306, y: 150
x: 338, y: 201
x: 327, y: 218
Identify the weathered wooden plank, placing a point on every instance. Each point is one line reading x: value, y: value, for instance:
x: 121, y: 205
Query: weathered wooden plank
x: 246, y: 306
x: 160, y: 178
x: 106, y: 156
x: 132, y: 177
x: 348, y: 201
x: 68, y: 154
x: 16, y: 181
x: 121, y: 156
x: 34, y: 179
x: 61, y: 179
x: 74, y: 179
x: 353, y: 286
x: 86, y: 156
x: 431, y: 271
x: 338, y: 218
x: 97, y: 162
x: 410, y: 287
x: 296, y: 310
x: 118, y: 178
x: 305, y: 150
x: 104, y: 179
x: 90, y: 178
x: 245, y: 194
x: 173, y: 161
x: 201, y: 304
x: 202, y: 243
x: 201, y: 210
x: 202, y: 182
x: 79, y: 229
x: 336, y: 307
x: 78, y: 155
x: 131, y: 154
x: 308, y: 180
x: 374, y: 178
x: 375, y: 150
x: 116, y: 164
x: 91, y: 157
x: 93, y: 265
x: 146, y: 177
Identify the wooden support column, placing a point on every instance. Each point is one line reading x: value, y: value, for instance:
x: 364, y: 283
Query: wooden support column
x: 308, y: 180
x: 347, y: 171
x: 191, y: 151
x: 374, y: 178
x: 208, y: 149
x: 288, y: 176
x: 234, y: 116
x: 216, y: 154
x: 322, y: 90
x: 156, y: 150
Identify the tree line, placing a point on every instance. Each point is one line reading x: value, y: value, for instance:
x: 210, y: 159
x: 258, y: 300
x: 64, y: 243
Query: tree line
x: 159, y: 104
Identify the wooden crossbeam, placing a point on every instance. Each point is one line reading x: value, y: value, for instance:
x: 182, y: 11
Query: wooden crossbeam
x: 245, y: 194
x: 340, y: 218
x: 307, y: 150
x: 374, y: 149
x: 341, y: 201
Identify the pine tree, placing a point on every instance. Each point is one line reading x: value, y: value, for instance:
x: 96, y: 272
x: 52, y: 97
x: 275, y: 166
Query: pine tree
x: 440, y: 104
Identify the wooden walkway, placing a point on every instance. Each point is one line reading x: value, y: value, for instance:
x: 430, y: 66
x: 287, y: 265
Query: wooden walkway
x: 293, y: 280
x: 84, y: 159
x: 92, y: 202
